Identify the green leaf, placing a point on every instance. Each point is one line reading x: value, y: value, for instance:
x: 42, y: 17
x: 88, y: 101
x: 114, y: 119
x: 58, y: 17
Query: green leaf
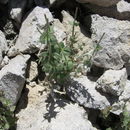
x: 98, y: 47
x: 70, y: 65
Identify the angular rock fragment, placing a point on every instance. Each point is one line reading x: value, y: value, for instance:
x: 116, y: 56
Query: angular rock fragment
x: 83, y: 91
x: 3, y: 46
x: 12, y: 77
x: 115, y: 45
x: 29, y: 36
x: 112, y: 82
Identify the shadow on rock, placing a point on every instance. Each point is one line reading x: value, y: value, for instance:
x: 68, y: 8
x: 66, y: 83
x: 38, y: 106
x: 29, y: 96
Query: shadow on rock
x: 22, y: 104
x: 55, y: 102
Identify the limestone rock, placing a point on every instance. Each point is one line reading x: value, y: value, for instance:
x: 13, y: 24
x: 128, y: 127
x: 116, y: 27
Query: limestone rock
x: 59, y: 31
x: 115, y: 43
x: 33, y: 71
x: 126, y: 93
x: 13, y: 51
x: 17, y: 8
x: 4, y: 62
x: 28, y: 40
x: 83, y: 91
x: 84, y: 44
x: 12, y: 77
x: 46, y: 113
x: 128, y: 107
x: 112, y: 82
x: 3, y: 46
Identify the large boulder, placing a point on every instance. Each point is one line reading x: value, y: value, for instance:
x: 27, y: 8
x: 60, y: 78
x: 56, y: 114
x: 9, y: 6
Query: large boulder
x: 12, y: 77
x: 112, y: 82
x: 46, y: 113
x: 83, y: 91
x: 115, y: 45
x: 103, y: 3
x: 29, y: 36
x: 3, y: 46
x: 30, y: 32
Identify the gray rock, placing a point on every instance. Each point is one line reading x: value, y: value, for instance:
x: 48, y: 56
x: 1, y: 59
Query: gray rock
x: 46, y: 113
x: 103, y: 3
x: 32, y: 71
x: 115, y: 43
x: 83, y: 41
x: 83, y: 91
x: 123, y: 6
x: 119, y: 11
x: 128, y: 107
x: 125, y: 96
x: 4, y: 62
x: 59, y: 31
x: 12, y: 78
x: 3, y: 46
x: 112, y: 82
x: 123, y: 100
x: 17, y: 8
x: 107, y: 58
x: 28, y: 40
x: 13, y: 51
x: 3, y: 43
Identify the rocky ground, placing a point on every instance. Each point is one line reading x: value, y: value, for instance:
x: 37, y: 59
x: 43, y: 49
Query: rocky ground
x: 106, y: 85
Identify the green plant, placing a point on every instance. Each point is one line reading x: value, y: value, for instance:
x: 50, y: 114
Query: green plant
x: 125, y: 120
x: 122, y: 124
x: 57, y: 59
x: 7, y: 119
x: 97, y: 47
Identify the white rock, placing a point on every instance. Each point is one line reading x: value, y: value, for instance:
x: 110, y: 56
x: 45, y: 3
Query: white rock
x: 28, y: 40
x: 126, y: 93
x: 43, y: 113
x: 119, y: 105
x: 3, y: 45
x: 13, y: 51
x: 83, y: 91
x: 128, y: 107
x: 12, y: 77
x: 17, y: 8
x: 83, y: 41
x: 59, y: 31
x: 112, y: 82
x: 115, y: 43
x: 123, y: 6
x: 4, y: 62
x: 32, y: 71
